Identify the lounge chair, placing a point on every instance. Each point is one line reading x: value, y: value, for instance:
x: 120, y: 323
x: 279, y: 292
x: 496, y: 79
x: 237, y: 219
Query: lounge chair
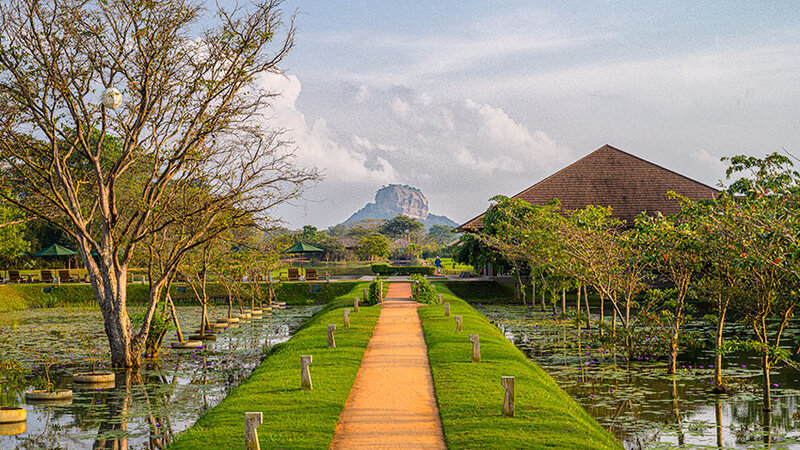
x: 311, y: 274
x: 13, y: 276
x: 65, y: 277
x: 47, y: 276
x: 294, y: 274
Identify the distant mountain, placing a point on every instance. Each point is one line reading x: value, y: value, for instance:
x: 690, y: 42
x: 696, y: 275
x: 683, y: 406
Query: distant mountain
x: 396, y: 199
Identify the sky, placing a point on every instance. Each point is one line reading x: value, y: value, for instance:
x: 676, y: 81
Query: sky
x: 469, y: 99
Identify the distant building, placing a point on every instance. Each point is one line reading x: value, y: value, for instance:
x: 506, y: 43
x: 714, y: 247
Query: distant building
x: 610, y: 177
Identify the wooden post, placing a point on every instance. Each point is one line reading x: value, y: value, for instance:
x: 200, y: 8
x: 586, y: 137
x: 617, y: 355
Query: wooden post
x: 447, y: 309
x: 380, y: 291
x: 440, y: 299
x: 563, y: 301
x: 305, y: 375
x: 459, y: 320
x: 508, y: 401
x: 366, y: 295
x: 347, y: 317
x: 476, y: 348
x: 327, y: 277
x: 331, y: 338
x: 251, y: 422
x: 355, y: 304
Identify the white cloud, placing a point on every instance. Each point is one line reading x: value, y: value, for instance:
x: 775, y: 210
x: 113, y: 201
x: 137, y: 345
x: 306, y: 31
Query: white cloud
x: 317, y: 145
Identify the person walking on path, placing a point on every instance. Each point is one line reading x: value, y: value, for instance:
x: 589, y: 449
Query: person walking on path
x: 438, y: 264
x: 392, y: 404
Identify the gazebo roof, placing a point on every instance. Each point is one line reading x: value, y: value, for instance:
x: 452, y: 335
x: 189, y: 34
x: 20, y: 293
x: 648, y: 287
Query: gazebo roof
x: 303, y: 248
x: 55, y: 250
x: 611, y: 177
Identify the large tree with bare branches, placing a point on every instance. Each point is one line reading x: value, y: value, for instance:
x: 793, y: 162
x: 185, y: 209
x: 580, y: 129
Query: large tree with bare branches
x: 186, y: 137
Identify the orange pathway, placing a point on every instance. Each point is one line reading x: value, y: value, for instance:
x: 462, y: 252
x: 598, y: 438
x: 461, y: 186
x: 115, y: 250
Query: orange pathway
x: 392, y: 404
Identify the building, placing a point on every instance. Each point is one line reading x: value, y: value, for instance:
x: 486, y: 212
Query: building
x: 611, y: 177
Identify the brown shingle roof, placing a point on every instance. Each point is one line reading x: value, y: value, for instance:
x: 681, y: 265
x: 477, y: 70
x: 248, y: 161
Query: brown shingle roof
x: 611, y: 177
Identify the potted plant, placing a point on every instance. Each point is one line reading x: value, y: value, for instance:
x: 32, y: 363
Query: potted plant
x: 94, y: 378
x: 47, y: 391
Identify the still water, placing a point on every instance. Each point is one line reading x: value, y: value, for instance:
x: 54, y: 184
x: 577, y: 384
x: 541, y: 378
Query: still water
x: 644, y: 407
x: 143, y: 410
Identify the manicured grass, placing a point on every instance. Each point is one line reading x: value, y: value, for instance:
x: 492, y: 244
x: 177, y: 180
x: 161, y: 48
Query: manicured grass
x: 470, y: 395
x: 293, y: 418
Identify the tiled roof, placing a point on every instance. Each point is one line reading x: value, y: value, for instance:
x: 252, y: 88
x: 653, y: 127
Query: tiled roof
x: 611, y: 177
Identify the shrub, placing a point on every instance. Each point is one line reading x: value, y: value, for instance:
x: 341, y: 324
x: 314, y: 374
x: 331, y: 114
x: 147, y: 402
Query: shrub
x: 374, y: 294
x: 424, y: 292
x: 387, y: 270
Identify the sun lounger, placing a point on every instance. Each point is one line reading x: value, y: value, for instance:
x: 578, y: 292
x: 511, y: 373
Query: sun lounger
x: 311, y: 274
x: 294, y: 274
x: 13, y: 276
x: 65, y: 277
x: 47, y: 276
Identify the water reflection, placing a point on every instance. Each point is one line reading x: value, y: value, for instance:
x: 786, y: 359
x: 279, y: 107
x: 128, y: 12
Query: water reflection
x: 643, y: 406
x: 142, y: 410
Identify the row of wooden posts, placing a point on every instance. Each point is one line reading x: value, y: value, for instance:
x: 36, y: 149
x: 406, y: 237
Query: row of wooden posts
x: 253, y: 419
x: 506, y: 382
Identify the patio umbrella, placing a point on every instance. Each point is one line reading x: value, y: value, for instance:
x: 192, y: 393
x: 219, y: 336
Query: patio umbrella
x: 302, y: 249
x: 56, y: 250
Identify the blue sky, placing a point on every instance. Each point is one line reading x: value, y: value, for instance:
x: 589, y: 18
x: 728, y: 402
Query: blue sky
x: 470, y: 99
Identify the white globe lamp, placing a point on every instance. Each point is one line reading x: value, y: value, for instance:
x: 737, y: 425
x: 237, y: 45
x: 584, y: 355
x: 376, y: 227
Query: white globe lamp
x: 111, y: 98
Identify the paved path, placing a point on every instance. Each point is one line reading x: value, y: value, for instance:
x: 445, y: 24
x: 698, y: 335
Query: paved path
x: 392, y: 404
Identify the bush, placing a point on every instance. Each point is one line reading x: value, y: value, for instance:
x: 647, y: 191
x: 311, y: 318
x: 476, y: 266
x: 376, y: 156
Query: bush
x: 374, y: 294
x: 387, y: 270
x: 424, y: 292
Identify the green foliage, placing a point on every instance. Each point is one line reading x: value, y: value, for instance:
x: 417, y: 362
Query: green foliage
x: 387, y: 270
x: 373, y: 246
x: 374, y: 293
x: 401, y: 226
x: 424, y: 292
x: 12, y: 232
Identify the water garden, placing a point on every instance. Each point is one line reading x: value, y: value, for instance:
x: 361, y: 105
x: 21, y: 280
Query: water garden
x: 142, y: 409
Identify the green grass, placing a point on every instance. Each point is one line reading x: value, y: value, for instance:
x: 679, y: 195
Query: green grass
x: 470, y: 395
x: 37, y: 295
x: 293, y: 418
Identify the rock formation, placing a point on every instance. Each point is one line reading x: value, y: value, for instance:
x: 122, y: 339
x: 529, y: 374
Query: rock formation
x: 395, y: 199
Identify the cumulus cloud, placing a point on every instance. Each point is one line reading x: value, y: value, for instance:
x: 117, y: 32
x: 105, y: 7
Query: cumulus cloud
x: 449, y: 149
x: 317, y: 145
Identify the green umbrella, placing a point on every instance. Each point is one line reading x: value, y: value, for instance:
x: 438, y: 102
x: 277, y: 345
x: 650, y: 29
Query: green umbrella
x: 55, y: 250
x: 302, y: 249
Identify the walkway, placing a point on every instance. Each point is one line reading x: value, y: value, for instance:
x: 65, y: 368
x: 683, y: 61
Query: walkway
x: 392, y: 404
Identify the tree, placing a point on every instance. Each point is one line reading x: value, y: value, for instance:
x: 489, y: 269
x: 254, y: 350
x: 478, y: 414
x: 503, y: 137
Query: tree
x: 441, y: 234
x: 401, y: 226
x: 375, y: 246
x: 187, y: 132
x: 764, y: 210
x: 669, y: 248
x: 12, y: 232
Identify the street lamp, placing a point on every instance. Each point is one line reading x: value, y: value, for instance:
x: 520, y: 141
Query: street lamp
x: 111, y: 98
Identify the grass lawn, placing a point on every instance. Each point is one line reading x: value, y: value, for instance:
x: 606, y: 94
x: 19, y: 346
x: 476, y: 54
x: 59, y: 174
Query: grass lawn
x: 470, y: 395
x: 293, y: 418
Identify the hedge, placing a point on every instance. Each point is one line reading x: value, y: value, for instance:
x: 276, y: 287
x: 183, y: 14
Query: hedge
x: 387, y: 270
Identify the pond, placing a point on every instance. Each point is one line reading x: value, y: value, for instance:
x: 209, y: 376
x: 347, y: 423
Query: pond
x: 143, y: 410
x: 644, y: 407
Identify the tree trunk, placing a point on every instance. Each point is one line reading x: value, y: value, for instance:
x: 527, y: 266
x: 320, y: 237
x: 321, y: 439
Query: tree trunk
x: 578, y: 301
x: 602, y: 313
x: 718, y: 386
x: 544, y: 307
x: 765, y: 383
x: 673, y: 351
x: 588, y: 311
x: 563, y: 301
x: 175, y: 317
